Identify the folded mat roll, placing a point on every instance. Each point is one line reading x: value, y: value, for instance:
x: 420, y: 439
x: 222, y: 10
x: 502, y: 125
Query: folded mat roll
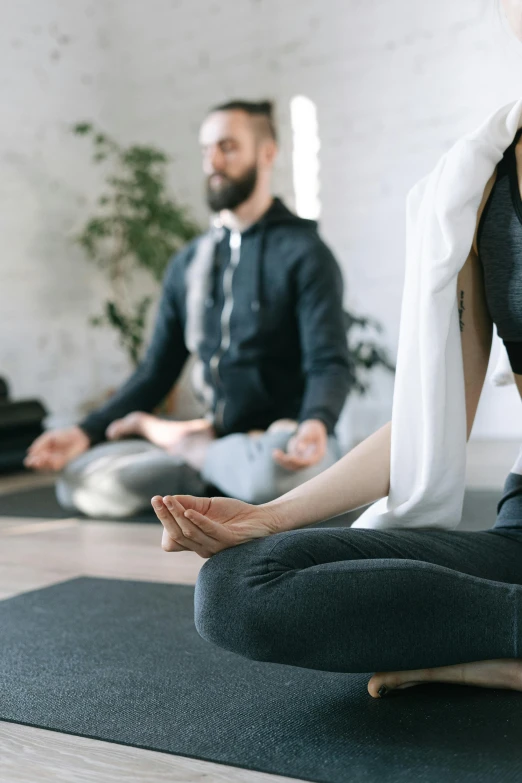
x: 20, y: 423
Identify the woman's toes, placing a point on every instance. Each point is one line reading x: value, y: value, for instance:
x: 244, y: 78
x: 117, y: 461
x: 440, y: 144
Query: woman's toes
x: 384, y: 682
x: 381, y: 683
x: 504, y: 673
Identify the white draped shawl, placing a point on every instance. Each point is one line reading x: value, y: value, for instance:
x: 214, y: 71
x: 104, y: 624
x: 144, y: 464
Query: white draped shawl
x: 428, y: 439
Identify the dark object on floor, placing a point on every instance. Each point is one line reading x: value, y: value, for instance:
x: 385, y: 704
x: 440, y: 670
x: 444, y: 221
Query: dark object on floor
x: 4, y: 390
x: 121, y: 661
x: 20, y: 423
x: 40, y: 502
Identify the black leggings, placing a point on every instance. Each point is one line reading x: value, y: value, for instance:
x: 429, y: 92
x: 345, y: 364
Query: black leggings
x: 347, y: 600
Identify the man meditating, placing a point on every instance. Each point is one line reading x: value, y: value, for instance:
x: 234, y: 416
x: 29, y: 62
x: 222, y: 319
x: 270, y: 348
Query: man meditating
x: 258, y: 301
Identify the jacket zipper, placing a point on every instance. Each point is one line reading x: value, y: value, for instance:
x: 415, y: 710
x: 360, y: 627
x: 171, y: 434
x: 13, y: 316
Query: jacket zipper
x: 226, y: 313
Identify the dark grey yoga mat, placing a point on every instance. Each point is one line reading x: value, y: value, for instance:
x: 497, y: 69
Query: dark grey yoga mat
x: 480, y: 508
x: 121, y: 661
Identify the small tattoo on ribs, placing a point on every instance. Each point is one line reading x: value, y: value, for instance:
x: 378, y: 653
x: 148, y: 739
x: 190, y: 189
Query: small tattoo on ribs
x: 461, y: 311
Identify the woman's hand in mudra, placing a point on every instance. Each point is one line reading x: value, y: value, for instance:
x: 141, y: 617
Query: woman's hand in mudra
x: 208, y: 525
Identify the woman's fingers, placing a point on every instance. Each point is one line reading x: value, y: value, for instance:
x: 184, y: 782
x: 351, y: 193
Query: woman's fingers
x: 214, y: 531
x: 195, y: 526
x: 180, y: 530
x: 187, y: 528
x: 176, y: 510
x: 197, y: 503
x: 167, y: 520
x: 169, y: 545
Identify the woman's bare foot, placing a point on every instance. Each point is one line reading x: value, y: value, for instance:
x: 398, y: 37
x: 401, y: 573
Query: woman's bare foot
x: 502, y: 673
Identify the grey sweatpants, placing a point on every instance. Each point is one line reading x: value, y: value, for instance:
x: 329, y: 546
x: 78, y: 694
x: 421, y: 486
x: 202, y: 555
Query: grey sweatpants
x: 118, y: 479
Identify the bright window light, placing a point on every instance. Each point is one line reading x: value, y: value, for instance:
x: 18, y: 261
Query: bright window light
x: 306, y: 146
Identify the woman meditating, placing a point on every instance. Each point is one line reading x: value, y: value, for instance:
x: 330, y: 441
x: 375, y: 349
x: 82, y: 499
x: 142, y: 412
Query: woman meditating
x: 401, y: 593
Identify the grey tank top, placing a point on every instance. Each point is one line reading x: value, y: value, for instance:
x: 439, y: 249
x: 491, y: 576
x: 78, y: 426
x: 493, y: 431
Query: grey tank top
x: 499, y: 243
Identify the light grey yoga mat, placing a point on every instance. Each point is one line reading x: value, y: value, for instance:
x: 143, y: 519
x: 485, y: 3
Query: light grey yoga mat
x: 41, y: 503
x: 480, y: 508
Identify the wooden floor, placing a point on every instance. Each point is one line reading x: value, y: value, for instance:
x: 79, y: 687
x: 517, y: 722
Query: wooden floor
x: 35, y: 554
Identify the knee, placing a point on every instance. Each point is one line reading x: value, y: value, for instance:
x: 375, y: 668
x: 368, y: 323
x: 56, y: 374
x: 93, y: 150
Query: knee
x: 264, y: 478
x: 88, y: 489
x: 67, y: 485
x: 230, y: 605
x: 268, y: 480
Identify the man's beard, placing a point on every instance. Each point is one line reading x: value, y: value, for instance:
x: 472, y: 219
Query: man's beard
x: 232, y: 192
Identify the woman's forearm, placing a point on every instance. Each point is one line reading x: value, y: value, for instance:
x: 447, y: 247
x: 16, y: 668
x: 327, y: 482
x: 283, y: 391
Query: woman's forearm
x: 360, y: 477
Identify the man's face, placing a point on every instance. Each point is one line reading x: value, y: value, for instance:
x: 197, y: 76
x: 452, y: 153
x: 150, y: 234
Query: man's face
x: 230, y: 150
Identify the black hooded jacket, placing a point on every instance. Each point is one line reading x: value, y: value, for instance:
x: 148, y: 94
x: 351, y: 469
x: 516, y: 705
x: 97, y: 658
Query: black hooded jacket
x: 285, y: 353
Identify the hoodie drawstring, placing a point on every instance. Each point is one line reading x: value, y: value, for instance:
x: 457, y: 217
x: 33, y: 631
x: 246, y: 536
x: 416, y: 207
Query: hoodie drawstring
x: 257, y: 300
x: 218, y: 234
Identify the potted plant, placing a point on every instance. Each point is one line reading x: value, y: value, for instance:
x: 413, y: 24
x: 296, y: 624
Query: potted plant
x: 137, y: 225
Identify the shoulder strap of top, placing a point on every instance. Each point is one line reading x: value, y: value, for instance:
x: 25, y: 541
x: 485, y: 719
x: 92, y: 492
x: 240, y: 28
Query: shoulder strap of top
x: 507, y: 167
x: 508, y: 159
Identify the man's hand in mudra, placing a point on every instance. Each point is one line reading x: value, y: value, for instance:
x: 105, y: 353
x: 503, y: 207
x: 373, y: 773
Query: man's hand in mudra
x: 306, y: 448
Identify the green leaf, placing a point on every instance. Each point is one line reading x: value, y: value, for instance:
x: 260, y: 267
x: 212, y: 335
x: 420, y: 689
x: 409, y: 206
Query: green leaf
x: 82, y: 128
x: 140, y: 225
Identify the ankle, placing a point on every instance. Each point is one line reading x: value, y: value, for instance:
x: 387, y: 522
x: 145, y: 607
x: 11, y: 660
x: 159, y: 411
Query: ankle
x: 202, y: 426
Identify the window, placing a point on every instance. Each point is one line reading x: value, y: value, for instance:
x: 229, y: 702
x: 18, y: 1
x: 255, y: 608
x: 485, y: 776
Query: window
x: 306, y: 146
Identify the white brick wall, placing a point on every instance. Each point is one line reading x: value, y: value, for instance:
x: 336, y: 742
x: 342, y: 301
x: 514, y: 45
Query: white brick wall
x: 395, y: 84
